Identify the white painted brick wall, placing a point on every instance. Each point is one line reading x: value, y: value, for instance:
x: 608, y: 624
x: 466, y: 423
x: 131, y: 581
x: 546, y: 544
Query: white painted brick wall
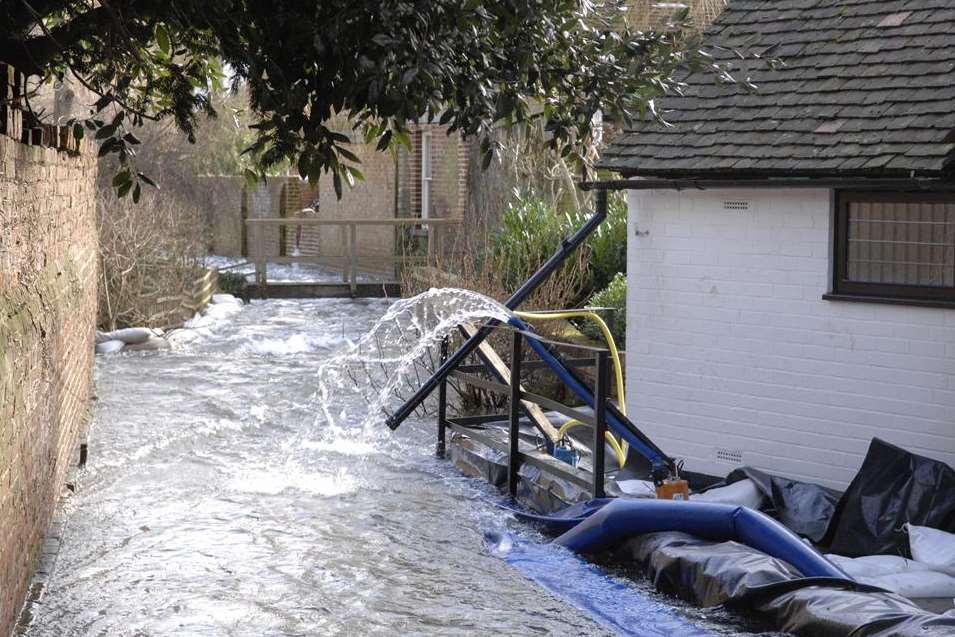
x: 731, y: 345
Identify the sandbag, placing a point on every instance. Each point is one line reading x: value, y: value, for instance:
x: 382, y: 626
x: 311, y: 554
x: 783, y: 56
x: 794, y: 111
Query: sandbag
x: 153, y: 343
x: 933, y: 547
x: 917, y: 584
x: 130, y: 335
x: 633, y: 488
x: 893, y: 487
x: 744, y: 493
x: 226, y: 298
x: 869, y: 566
x: 110, y: 347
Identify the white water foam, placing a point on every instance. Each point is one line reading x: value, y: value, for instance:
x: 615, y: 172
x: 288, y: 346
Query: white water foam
x: 397, y: 354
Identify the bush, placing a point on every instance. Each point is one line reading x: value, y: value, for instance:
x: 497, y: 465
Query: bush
x: 232, y: 283
x: 531, y: 231
x: 613, y: 296
x: 608, y: 247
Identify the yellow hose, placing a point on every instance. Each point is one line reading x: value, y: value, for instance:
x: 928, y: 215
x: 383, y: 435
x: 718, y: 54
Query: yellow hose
x: 619, y: 447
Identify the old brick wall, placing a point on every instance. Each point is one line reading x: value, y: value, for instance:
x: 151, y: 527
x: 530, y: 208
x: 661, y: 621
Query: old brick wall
x: 48, y: 275
x: 373, y: 198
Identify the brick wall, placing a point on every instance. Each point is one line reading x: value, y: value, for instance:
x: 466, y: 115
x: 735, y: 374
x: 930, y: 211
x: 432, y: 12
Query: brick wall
x: 732, y: 349
x: 48, y: 274
x: 373, y: 198
x: 230, y: 202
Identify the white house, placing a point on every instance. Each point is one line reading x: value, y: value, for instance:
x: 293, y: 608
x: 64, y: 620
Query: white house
x: 791, y: 257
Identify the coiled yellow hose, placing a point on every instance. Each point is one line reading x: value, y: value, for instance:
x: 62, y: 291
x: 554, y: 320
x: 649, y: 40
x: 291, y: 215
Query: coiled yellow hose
x: 620, y: 447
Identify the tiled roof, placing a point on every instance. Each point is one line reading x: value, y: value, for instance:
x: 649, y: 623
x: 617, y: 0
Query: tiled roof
x: 868, y: 89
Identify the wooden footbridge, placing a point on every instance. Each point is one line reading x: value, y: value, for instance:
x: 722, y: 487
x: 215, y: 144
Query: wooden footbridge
x: 343, y: 258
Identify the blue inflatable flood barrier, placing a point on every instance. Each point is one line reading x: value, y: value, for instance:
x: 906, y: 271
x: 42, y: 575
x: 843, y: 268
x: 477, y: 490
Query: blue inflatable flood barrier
x: 621, y: 519
x: 611, y: 603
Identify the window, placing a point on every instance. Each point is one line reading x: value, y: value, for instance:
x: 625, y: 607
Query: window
x: 897, y: 247
x: 426, y: 174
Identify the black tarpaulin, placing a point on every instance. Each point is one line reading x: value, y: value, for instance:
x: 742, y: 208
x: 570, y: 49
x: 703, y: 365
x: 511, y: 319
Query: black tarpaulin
x: 737, y: 576
x: 893, y: 486
x: 804, y: 507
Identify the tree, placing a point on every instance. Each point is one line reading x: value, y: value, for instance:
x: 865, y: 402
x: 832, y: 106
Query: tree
x: 381, y: 63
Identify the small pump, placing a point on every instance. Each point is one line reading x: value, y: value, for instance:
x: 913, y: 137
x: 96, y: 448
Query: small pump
x: 673, y: 487
x: 565, y: 452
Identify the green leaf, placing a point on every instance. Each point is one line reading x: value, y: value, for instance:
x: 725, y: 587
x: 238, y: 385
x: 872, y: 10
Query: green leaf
x: 337, y: 183
x: 145, y: 178
x: 251, y: 178
x: 124, y: 189
x: 106, y: 131
x: 347, y: 154
x: 121, y: 178
x: 162, y: 38
x: 356, y: 174
x: 137, y: 193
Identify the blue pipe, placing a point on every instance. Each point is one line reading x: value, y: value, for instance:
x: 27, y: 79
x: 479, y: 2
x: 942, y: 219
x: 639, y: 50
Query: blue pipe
x: 615, y: 423
x: 621, y: 519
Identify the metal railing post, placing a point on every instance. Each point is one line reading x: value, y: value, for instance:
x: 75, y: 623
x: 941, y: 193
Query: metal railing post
x: 353, y: 256
x: 601, y: 390
x: 442, y: 403
x: 514, y: 428
x: 343, y: 230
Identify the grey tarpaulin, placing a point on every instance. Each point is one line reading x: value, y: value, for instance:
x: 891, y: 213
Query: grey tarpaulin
x: 713, y: 573
x: 804, y: 507
x: 893, y: 487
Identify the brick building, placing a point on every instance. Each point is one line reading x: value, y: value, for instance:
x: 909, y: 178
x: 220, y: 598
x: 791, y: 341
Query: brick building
x: 426, y: 181
x: 791, y: 265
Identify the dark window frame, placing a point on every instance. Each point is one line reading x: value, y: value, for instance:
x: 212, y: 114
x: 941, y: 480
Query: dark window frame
x: 842, y: 288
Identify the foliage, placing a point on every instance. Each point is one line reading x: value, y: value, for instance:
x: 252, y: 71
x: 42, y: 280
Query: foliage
x: 613, y: 296
x: 147, y: 258
x: 469, y: 64
x: 232, y: 283
x: 531, y: 230
x: 607, y: 247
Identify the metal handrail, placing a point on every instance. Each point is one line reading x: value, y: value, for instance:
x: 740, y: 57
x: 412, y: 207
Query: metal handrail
x: 518, y: 399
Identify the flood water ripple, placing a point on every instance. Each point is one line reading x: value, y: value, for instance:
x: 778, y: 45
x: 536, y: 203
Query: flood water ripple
x: 218, y: 500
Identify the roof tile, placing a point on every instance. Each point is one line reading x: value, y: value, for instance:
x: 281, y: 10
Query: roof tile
x: 868, y: 87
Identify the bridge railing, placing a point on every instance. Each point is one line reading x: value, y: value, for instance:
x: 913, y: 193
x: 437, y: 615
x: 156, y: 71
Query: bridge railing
x: 352, y: 254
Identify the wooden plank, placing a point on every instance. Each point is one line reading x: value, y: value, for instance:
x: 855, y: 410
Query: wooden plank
x: 500, y: 369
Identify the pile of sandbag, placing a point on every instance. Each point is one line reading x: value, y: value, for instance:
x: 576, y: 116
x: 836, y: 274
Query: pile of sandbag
x: 130, y: 339
x: 220, y: 308
x: 929, y: 574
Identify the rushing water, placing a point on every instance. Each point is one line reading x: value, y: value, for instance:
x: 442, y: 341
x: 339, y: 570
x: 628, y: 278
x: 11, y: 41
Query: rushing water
x: 220, y: 500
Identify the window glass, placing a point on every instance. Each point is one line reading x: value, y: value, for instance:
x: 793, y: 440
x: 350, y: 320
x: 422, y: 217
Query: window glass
x: 904, y: 243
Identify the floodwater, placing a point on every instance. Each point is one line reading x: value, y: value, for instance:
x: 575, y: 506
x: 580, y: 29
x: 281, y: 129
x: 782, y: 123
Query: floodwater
x: 218, y: 500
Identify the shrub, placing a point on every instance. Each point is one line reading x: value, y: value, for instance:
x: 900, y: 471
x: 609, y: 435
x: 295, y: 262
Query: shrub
x: 613, y: 296
x: 232, y: 283
x: 531, y: 231
x: 607, y: 248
